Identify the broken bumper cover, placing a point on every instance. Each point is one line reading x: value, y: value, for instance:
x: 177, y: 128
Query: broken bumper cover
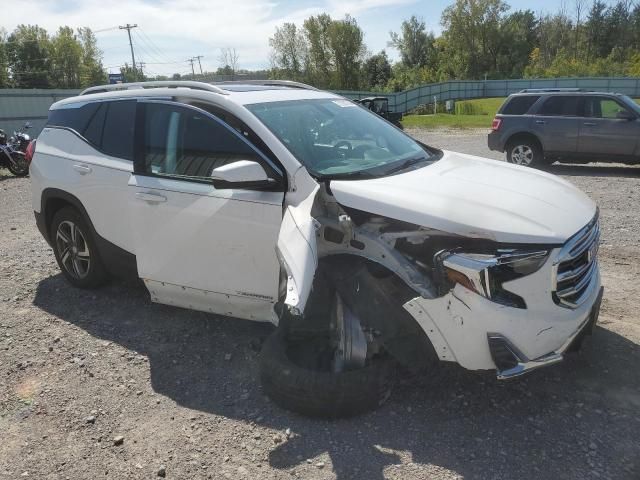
x: 510, y: 362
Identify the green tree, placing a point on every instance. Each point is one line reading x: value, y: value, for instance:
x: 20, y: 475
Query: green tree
x: 320, y: 55
x: 472, y: 35
x: 377, y: 71
x: 92, y: 71
x: 28, y: 52
x: 415, y: 45
x: 132, y: 75
x: 518, y: 39
x: 347, y: 43
x: 66, y: 59
x: 4, y: 60
x: 288, y: 52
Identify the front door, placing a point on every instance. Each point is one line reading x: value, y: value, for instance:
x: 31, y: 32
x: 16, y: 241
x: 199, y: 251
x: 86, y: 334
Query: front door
x: 197, y: 246
x: 603, y: 133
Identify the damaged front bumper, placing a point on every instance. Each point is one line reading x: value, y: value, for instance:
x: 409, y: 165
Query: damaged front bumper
x: 479, y: 334
x: 510, y: 362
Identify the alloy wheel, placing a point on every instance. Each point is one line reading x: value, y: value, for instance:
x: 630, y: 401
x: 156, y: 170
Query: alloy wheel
x: 73, y: 249
x: 522, y: 155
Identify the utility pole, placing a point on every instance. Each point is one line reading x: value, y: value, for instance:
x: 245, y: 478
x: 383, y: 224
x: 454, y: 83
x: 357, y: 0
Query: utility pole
x: 193, y: 72
x: 128, y: 29
x: 199, y: 64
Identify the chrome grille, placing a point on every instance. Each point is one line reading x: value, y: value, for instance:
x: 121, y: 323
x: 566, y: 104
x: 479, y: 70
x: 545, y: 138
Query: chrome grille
x: 577, y: 263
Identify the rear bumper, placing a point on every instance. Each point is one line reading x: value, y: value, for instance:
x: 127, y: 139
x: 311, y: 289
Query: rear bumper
x: 512, y: 363
x: 494, y: 142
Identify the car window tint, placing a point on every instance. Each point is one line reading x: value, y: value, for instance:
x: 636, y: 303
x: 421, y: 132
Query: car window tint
x: 562, y: 106
x: 93, y: 130
x: 183, y: 142
x: 601, y: 107
x: 519, y: 105
x: 75, y: 117
x: 117, y: 135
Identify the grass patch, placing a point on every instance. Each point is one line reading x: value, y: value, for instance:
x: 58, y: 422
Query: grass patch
x: 480, y: 106
x: 446, y: 120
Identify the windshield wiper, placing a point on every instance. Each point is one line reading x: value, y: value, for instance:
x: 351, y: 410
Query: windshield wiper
x: 406, y: 164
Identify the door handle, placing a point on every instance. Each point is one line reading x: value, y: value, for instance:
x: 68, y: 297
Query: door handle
x: 590, y: 124
x: 150, y: 197
x: 82, y: 169
x: 540, y: 122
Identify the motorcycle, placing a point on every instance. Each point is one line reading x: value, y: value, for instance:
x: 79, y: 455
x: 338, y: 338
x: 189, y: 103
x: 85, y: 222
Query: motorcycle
x: 11, y: 156
x: 20, y: 138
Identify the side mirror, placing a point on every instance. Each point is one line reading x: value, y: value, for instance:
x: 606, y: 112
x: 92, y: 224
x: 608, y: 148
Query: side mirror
x: 625, y: 115
x: 241, y: 174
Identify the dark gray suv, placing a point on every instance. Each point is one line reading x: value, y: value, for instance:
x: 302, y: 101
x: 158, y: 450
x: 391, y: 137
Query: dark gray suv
x: 538, y: 127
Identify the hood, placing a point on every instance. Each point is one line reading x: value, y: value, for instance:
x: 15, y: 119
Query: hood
x: 475, y: 197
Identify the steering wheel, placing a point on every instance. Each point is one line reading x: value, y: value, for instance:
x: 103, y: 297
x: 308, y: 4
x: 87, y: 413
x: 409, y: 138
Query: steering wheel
x: 343, y: 143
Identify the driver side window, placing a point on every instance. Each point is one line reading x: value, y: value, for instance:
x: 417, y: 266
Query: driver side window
x: 186, y: 143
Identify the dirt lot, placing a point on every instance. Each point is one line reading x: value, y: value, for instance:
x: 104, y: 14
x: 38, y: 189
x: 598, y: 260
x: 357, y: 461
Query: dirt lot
x: 78, y: 369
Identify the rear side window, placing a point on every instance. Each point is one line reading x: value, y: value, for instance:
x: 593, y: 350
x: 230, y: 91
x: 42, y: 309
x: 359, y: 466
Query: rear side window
x: 108, y: 126
x: 561, y: 106
x: 75, y: 118
x: 519, y: 105
x: 117, y: 134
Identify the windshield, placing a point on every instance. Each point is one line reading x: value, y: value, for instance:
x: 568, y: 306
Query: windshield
x: 335, y: 138
x: 630, y: 103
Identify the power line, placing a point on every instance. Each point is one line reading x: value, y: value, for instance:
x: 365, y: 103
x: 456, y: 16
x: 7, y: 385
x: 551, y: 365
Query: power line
x: 128, y: 28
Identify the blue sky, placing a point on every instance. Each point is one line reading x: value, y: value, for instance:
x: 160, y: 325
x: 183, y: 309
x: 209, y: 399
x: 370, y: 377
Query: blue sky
x: 170, y: 31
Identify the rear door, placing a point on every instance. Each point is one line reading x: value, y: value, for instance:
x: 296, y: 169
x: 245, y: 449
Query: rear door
x: 602, y: 133
x: 557, y: 123
x: 197, y: 246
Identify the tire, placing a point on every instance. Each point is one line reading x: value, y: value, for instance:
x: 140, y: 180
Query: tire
x: 321, y: 393
x: 526, y: 152
x: 76, y: 250
x: 18, y: 166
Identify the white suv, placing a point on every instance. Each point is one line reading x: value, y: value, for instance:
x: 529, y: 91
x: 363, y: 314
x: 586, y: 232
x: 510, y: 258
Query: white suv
x: 276, y: 202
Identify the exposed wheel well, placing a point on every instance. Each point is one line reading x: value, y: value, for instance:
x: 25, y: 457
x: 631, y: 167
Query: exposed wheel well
x: 377, y: 295
x: 53, y: 200
x: 522, y: 136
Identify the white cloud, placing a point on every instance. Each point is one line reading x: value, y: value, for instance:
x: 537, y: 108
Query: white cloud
x: 180, y: 28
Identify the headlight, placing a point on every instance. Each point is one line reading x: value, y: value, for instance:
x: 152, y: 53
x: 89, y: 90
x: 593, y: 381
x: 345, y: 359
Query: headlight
x: 485, y: 273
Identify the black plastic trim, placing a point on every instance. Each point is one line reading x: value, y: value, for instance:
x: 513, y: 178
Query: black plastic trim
x: 117, y: 261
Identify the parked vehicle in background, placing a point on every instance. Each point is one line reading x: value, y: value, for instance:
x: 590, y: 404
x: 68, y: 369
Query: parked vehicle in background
x: 537, y: 127
x: 20, y: 138
x: 11, y: 157
x: 274, y: 201
x: 380, y: 106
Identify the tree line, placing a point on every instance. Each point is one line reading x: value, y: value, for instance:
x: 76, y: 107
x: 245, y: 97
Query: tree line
x: 31, y: 58
x: 479, y: 39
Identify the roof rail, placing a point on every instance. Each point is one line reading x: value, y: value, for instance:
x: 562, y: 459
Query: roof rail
x: 156, y: 84
x: 269, y: 83
x: 554, y: 89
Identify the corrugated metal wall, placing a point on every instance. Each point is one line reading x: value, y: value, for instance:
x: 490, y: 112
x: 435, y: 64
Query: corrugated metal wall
x: 18, y: 106
x: 466, y: 89
x: 21, y: 105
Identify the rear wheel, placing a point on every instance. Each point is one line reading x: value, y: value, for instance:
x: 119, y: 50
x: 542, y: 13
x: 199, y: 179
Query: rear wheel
x: 76, y: 250
x: 18, y: 165
x: 526, y: 152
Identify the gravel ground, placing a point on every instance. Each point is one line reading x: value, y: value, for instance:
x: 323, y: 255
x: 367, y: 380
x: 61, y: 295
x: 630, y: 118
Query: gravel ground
x: 107, y: 384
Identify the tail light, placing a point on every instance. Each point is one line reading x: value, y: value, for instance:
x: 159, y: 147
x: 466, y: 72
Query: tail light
x: 31, y: 149
x: 495, y: 125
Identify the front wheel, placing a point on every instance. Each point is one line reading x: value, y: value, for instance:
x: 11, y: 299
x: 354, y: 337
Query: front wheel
x: 525, y: 152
